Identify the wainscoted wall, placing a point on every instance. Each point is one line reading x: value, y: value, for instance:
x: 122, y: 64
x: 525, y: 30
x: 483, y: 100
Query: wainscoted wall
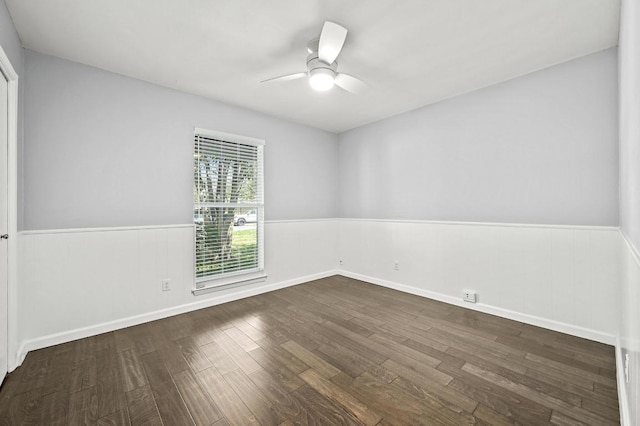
x: 629, y: 343
x: 87, y: 281
x: 564, y: 278
x: 76, y: 283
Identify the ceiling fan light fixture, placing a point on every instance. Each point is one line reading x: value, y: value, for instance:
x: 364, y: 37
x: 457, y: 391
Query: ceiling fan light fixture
x: 321, y: 79
x: 322, y: 67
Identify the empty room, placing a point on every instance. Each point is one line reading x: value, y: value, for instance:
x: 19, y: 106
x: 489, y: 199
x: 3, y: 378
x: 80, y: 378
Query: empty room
x: 241, y: 212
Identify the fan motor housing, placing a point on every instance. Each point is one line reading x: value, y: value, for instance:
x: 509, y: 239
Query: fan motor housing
x: 313, y: 63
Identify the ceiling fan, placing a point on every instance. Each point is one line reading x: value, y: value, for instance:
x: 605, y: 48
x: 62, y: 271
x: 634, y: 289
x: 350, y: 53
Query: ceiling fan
x: 322, y: 68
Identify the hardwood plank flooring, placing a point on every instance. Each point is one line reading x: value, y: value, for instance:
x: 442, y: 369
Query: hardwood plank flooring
x: 331, y: 351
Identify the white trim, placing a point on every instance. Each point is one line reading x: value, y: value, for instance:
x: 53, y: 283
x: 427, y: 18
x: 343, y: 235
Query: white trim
x: 493, y: 224
x: 6, y: 67
x: 630, y: 246
x: 623, y: 401
x: 331, y: 219
x: 231, y: 282
x: 12, y: 202
x: 80, y: 333
x: 105, y: 229
x: 586, y: 333
x: 228, y: 137
x: 232, y: 277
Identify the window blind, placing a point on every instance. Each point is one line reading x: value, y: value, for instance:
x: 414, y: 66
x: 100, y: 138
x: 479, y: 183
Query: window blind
x: 228, y: 206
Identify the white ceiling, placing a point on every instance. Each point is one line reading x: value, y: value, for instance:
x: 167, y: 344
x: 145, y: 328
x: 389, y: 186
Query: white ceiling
x: 411, y: 53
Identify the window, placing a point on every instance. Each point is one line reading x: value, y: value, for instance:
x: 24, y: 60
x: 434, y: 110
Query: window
x: 228, y: 207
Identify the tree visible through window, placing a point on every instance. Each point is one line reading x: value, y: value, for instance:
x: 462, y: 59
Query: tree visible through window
x: 228, y: 205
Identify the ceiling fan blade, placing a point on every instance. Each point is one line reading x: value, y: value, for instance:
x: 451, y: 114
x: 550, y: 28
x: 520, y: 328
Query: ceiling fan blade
x: 286, y: 77
x: 350, y: 83
x: 331, y: 41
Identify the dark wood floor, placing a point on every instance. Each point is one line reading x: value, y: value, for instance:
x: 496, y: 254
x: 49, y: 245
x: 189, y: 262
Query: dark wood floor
x: 333, y: 351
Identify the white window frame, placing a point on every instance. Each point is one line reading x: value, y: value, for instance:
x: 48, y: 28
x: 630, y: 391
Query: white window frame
x: 213, y: 282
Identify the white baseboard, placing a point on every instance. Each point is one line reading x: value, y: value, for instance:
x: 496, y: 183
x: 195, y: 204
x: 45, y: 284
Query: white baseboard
x: 561, y: 327
x: 67, y: 336
x: 79, y: 333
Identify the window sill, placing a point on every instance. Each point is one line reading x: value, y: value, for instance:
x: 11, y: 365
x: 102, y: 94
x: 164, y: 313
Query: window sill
x: 230, y: 282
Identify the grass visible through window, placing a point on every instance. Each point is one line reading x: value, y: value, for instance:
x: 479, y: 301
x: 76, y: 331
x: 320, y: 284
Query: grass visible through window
x: 244, y: 245
x: 243, y: 255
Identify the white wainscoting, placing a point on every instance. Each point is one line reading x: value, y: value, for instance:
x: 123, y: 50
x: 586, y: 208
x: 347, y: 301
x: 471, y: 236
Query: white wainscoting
x: 77, y: 283
x: 629, y: 341
x: 561, y: 278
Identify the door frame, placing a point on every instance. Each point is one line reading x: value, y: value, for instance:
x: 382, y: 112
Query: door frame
x: 9, y: 72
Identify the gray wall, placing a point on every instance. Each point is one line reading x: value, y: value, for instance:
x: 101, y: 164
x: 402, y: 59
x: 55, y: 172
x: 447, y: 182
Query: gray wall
x: 106, y: 150
x: 537, y: 149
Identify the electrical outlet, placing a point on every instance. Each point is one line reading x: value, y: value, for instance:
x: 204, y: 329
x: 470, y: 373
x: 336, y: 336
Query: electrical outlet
x: 340, y: 262
x: 396, y: 265
x: 469, y: 296
x: 166, y: 284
